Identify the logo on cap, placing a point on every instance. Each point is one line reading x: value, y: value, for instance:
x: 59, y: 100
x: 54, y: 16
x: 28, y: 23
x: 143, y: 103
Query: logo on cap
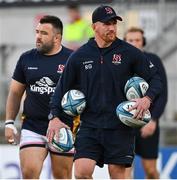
x: 104, y: 14
x: 108, y: 10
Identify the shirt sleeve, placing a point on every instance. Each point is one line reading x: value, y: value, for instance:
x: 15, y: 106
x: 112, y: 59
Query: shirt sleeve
x: 18, y: 74
x: 160, y: 101
x: 148, y: 71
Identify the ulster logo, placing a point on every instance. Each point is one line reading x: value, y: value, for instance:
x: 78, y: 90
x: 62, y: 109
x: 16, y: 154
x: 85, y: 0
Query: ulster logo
x: 116, y: 59
x: 60, y: 68
x: 108, y: 10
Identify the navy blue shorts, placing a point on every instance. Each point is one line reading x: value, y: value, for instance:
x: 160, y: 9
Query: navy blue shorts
x: 147, y: 148
x: 105, y: 146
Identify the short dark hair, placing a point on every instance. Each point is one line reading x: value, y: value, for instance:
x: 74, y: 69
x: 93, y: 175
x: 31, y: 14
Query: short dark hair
x: 55, y: 21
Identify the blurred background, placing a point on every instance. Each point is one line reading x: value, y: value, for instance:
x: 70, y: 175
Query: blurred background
x: 158, y: 18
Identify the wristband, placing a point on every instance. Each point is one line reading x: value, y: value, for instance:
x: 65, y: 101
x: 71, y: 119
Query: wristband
x: 9, y: 121
x: 10, y: 124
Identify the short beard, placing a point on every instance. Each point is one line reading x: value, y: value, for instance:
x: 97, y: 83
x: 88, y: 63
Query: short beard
x: 109, y: 37
x: 108, y: 40
x: 45, y: 49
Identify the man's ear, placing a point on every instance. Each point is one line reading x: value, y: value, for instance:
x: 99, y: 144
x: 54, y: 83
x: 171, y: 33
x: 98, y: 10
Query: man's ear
x: 93, y: 26
x: 58, y: 37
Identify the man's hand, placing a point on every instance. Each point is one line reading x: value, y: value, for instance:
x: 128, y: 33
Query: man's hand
x: 54, y: 127
x: 148, y: 129
x: 141, y: 106
x: 11, y: 133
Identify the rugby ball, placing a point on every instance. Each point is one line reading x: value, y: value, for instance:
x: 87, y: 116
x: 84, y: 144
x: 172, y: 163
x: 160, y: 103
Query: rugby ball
x: 135, y: 87
x: 65, y: 141
x: 126, y: 116
x: 73, y: 102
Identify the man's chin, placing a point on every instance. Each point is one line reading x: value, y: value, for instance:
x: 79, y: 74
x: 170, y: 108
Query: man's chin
x: 38, y: 48
x: 111, y: 37
x: 110, y: 40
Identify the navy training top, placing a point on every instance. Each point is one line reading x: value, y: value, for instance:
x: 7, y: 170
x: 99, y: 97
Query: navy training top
x: 101, y: 76
x: 40, y: 74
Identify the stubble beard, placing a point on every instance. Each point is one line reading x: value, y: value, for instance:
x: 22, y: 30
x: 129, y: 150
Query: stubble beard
x: 110, y: 37
x: 44, y: 48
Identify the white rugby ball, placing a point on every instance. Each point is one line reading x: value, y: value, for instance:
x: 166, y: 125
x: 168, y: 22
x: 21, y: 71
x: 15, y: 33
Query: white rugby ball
x: 135, y: 87
x: 65, y: 142
x: 73, y: 102
x: 126, y: 116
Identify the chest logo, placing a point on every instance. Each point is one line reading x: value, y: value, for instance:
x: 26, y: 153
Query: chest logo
x: 60, y: 68
x: 117, y: 59
x: 44, y: 86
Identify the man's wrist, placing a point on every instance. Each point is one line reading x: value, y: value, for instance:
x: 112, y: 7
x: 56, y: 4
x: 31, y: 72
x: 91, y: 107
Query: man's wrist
x: 51, y: 116
x: 9, y: 121
x: 10, y: 124
x: 148, y: 98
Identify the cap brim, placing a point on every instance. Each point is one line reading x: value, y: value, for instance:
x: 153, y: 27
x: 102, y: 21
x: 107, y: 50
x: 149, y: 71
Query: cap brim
x: 110, y: 18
